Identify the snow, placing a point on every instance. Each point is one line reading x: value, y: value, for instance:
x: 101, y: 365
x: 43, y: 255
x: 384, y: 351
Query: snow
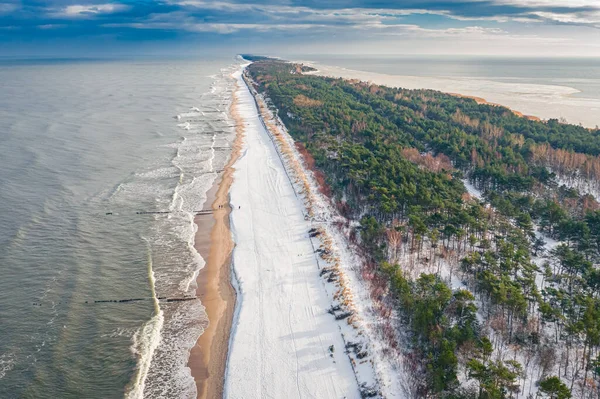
x: 472, y: 190
x: 282, y: 329
x: 282, y: 333
x: 544, y: 256
x: 529, y: 358
x: 583, y: 185
x: 371, y: 331
x: 502, y: 351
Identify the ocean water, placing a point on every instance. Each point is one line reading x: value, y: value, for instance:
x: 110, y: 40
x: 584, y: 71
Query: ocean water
x: 546, y: 87
x: 80, y: 139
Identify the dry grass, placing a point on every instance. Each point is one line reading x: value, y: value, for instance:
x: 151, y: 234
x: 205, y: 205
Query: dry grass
x: 302, y: 101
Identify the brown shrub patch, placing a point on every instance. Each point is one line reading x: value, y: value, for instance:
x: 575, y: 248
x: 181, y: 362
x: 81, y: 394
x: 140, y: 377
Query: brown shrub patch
x: 310, y: 164
x: 302, y: 101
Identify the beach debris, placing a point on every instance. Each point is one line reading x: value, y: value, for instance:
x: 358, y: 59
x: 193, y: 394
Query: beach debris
x: 324, y: 271
x: 343, y: 315
x: 355, y: 347
x: 334, y: 308
x: 313, y: 232
x: 368, y: 391
x: 323, y: 252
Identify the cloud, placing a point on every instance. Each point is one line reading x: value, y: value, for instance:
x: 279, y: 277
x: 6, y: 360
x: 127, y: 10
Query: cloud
x: 226, y: 18
x: 276, y: 10
x: 334, y: 20
x: 571, y: 12
x: 519, y: 11
x: 180, y: 22
x: 363, y: 22
x: 89, y: 10
x: 418, y: 31
x: 586, y: 19
x: 51, y: 26
x: 6, y: 8
x: 332, y: 12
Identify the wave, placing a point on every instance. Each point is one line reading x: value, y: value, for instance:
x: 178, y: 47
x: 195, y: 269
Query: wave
x: 162, y: 345
x: 146, y: 339
x: 185, y: 126
x: 7, y: 362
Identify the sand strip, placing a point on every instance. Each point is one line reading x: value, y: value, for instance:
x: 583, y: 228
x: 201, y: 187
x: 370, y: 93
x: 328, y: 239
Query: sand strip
x: 480, y: 100
x: 214, y: 243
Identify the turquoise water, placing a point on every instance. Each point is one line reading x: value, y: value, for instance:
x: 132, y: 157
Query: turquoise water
x: 80, y: 139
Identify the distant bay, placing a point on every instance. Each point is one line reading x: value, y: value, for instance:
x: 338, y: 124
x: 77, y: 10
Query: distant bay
x: 566, y: 88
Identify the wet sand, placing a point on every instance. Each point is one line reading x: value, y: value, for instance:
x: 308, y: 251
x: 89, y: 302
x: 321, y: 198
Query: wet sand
x: 213, y: 241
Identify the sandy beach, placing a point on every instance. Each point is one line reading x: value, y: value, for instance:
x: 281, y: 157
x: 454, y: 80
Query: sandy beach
x: 480, y: 100
x: 213, y: 241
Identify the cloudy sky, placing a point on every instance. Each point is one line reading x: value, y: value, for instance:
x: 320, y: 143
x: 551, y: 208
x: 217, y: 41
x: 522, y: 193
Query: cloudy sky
x: 191, y: 27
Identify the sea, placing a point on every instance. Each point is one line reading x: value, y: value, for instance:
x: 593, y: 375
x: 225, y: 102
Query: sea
x: 89, y: 150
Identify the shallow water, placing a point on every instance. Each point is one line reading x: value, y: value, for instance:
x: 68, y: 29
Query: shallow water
x: 80, y: 140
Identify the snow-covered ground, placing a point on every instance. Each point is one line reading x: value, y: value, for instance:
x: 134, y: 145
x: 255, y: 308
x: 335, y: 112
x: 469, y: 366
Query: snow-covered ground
x: 366, y: 324
x: 583, y: 185
x: 284, y: 344
x: 473, y: 192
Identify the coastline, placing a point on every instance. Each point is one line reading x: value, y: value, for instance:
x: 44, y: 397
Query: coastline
x: 214, y: 242
x: 480, y: 100
x: 530, y: 100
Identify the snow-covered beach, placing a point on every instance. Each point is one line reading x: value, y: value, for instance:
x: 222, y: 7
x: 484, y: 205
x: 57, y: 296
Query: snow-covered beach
x: 284, y: 343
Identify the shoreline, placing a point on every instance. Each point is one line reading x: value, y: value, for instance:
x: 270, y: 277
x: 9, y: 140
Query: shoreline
x: 478, y: 100
x: 538, y: 102
x: 214, y: 242
x: 481, y: 100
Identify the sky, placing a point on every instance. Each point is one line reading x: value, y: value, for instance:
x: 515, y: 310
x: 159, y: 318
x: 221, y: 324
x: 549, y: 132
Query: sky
x: 67, y: 28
